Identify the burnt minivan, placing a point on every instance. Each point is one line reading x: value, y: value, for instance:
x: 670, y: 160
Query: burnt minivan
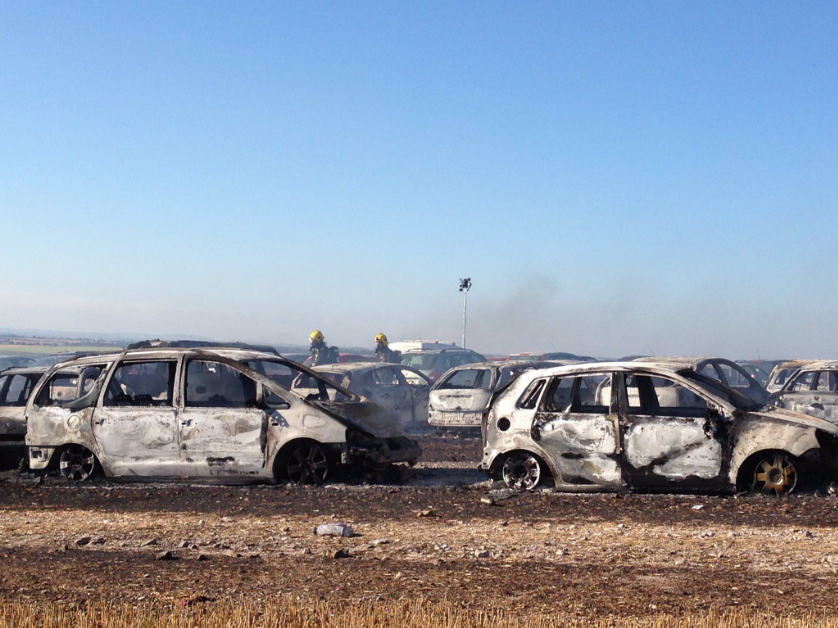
x: 200, y: 414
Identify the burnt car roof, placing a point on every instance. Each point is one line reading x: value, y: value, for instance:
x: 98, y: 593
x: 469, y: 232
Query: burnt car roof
x: 25, y: 370
x: 819, y: 365
x: 241, y: 355
x: 199, y: 344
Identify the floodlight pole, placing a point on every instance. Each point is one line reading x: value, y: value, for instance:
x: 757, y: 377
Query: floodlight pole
x: 465, y: 286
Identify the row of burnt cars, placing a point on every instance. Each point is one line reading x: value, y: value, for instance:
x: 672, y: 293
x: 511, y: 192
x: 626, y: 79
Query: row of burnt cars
x: 175, y: 411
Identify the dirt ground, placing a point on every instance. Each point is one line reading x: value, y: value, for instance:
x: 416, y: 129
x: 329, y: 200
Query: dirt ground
x: 433, y: 536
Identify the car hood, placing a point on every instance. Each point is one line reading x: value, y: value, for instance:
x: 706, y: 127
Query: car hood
x: 790, y: 416
x: 364, y: 416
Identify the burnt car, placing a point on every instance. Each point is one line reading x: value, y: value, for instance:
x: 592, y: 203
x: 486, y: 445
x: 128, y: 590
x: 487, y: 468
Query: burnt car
x: 217, y: 415
x: 16, y: 384
x: 783, y: 372
x: 811, y: 389
x: 460, y: 397
x: 725, y: 371
x: 402, y: 391
x: 652, y: 428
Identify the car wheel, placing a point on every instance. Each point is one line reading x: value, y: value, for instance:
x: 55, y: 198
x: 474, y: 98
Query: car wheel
x: 774, y: 474
x: 522, y: 471
x: 77, y: 463
x: 306, y: 463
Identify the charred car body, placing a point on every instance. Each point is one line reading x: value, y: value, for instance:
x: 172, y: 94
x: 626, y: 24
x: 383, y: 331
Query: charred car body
x: 459, y: 399
x: 783, y: 372
x: 811, y: 389
x: 402, y: 391
x: 647, y: 427
x: 216, y: 415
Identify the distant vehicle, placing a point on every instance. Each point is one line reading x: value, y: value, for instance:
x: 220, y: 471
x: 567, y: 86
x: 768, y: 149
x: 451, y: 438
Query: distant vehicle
x: 725, y: 371
x: 758, y: 369
x: 212, y: 415
x: 650, y: 428
x: 548, y: 357
x: 811, y: 389
x: 13, y: 361
x: 782, y: 372
x: 401, y: 390
x: 16, y: 384
x: 422, y: 345
x: 460, y: 397
x: 435, y: 362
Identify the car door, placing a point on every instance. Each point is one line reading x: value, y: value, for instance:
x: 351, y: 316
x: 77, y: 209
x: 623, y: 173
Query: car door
x: 420, y: 388
x: 826, y: 394
x: 136, y: 422
x: 579, y: 430
x: 797, y: 394
x: 388, y: 391
x: 223, y: 428
x: 64, y: 407
x: 668, y: 435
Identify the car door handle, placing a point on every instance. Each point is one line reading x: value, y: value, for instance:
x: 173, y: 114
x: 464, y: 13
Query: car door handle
x: 187, y: 422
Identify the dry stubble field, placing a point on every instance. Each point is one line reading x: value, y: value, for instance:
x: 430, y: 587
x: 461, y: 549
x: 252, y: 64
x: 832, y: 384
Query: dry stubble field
x: 423, y: 554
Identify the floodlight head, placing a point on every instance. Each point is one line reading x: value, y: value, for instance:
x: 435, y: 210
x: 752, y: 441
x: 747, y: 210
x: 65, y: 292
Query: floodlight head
x: 465, y: 284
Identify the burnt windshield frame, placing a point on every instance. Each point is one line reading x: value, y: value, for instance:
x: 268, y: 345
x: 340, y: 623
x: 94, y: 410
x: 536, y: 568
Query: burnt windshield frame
x: 732, y: 396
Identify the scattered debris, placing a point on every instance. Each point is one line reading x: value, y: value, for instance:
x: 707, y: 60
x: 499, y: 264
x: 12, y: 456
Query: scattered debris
x: 81, y: 542
x: 334, y: 529
x: 342, y: 553
x: 166, y: 555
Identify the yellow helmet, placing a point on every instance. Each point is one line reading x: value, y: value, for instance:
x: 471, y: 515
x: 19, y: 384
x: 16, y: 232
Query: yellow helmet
x: 382, y: 339
x: 316, y: 336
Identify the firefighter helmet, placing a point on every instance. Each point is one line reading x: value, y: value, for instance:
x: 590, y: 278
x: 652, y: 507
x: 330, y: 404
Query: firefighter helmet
x: 316, y: 336
x: 381, y: 339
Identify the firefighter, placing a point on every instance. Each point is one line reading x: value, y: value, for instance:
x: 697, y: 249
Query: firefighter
x: 321, y: 353
x: 384, y: 352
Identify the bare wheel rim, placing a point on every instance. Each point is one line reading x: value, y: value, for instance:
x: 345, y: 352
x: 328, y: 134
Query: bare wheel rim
x: 522, y: 472
x: 307, y: 464
x: 775, y: 475
x: 77, y: 463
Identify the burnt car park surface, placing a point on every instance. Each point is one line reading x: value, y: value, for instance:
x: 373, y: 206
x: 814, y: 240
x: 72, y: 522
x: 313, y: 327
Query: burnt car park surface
x: 725, y: 371
x: 460, y: 397
x: 213, y: 415
x: 648, y: 426
x: 401, y: 390
x: 812, y: 389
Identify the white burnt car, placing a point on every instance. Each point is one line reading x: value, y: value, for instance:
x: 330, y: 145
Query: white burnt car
x: 649, y: 428
x: 216, y: 415
x: 401, y: 390
x: 783, y: 372
x: 460, y: 397
x: 811, y: 389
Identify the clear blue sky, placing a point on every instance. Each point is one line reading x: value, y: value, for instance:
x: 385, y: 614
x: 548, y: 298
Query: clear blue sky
x: 614, y: 177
